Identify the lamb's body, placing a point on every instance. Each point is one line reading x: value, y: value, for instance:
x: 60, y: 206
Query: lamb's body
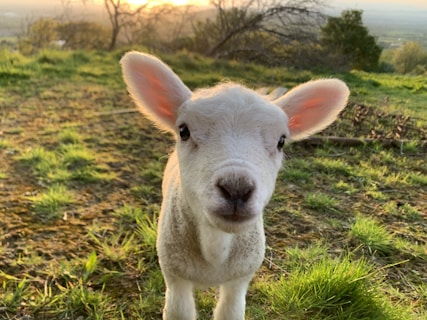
x: 199, y: 255
x: 220, y: 176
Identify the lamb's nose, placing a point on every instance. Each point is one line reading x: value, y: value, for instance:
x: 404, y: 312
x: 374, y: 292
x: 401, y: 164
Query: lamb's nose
x: 236, y: 190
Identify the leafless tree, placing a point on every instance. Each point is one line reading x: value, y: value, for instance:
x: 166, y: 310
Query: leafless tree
x: 178, y: 22
x: 138, y: 22
x: 240, y: 26
x: 121, y: 14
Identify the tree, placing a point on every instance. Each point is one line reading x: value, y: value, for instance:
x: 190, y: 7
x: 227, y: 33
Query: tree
x: 124, y: 16
x: 83, y: 35
x: 409, y: 57
x: 347, y: 36
x: 121, y: 14
x: 40, y: 34
x: 257, y: 29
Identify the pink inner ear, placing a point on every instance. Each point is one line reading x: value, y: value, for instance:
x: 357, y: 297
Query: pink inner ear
x: 156, y: 89
x: 313, y: 106
x: 311, y: 111
x: 163, y: 109
x: 295, y: 122
x: 162, y: 98
x: 312, y: 103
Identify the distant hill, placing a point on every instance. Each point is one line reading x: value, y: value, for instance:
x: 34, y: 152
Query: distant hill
x: 16, y: 14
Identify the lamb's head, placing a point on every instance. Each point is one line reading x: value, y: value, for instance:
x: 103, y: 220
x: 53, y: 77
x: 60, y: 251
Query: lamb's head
x: 229, y: 138
x: 229, y: 150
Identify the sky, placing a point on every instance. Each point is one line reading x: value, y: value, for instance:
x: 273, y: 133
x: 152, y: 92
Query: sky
x: 336, y: 6
x: 357, y: 4
x: 406, y: 5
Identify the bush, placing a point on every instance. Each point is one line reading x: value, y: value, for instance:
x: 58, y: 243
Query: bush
x: 410, y: 58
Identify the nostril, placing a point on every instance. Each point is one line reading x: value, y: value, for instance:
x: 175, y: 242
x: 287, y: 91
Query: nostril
x: 235, y: 191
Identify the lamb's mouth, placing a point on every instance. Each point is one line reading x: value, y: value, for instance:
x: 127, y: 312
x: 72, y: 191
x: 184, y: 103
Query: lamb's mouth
x: 235, y: 218
x: 234, y: 215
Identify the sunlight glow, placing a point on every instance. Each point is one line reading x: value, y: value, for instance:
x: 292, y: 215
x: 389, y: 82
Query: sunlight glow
x: 136, y: 3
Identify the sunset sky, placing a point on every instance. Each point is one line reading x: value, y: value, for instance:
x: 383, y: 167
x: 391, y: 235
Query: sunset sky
x: 376, y: 8
x: 339, y: 4
x: 388, y: 4
x: 359, y: 4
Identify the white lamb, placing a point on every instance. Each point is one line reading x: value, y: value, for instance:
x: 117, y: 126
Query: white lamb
x: 221, y: 175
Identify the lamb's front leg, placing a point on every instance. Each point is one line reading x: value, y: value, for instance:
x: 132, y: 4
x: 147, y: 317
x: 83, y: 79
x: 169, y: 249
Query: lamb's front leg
x: 179, y: 299
x: 232, y: 300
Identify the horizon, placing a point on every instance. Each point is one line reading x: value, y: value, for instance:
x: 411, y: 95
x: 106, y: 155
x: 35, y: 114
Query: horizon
x: 366, y: 5
x: 409, y: 5
x: 376, y: 14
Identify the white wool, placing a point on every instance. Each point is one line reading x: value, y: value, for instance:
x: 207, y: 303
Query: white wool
x: 221, y: 175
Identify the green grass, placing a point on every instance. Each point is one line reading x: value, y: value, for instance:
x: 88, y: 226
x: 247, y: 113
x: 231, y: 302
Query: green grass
x: 418, y: 178
x: 69, y: 136
x: 4, y: 144
x: 80, y: 197
x: 321, y: 202
x: 371, y: 235
x: 330, y: 289
x: 52, y: 202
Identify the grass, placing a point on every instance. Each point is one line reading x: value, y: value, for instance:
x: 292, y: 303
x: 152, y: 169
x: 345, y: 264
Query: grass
x: 321, y: 202
x: 53, y: 201
x: 371, y: 235
x: 330, y: 289
x: 80, y: 196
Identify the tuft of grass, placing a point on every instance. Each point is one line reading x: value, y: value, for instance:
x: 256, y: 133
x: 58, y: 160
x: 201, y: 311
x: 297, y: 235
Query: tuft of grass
x: 373, y: 192
x: 410, y: 147
x: 321, y: 202
x: 14, y: 67
x: 410, y: 248
x: 144, y: 223
x: 76, y: 156
x: 302, y: 258
x: 116, y: 247
x: 368, y: 172
x: 13, y: 289
x: 418, y: 178
x: 394, y: 179
x: 331, y: 289
x: 69, y: 136
x: 83, y: 302
x: 371, y: 235
x: 41, y: 160
x: 404, y: 210
x: 147, y: 231
x: 71, y: 160
x: 333, y: 166
x: 296, y: 175
x: 51, y: 203
x: 345, y: 187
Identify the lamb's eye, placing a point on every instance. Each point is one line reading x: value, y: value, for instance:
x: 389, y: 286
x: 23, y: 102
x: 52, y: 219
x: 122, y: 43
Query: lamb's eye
x: 281, y: 142
x: 184, y: 132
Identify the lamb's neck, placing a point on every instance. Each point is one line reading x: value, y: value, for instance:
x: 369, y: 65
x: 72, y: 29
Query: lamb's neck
x: 215, y: 244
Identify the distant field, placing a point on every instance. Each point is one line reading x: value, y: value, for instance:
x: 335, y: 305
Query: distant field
x: 80, y: 177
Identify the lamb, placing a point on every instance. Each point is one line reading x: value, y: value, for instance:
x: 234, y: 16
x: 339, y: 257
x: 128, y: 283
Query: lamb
x: 221, y: 175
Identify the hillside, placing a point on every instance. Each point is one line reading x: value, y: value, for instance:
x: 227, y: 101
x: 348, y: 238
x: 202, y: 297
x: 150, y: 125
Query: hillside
x: 80, y: 180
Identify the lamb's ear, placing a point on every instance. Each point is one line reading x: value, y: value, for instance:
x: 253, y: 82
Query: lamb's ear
x: 155, y: 88
x: 313, y: 106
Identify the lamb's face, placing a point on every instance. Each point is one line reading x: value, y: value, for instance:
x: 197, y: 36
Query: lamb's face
x: 230, y: 151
